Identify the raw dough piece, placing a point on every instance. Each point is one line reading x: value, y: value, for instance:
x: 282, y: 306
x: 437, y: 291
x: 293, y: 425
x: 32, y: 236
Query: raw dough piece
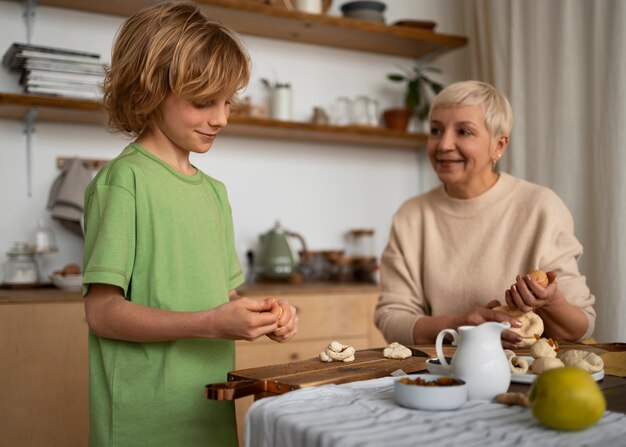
x: 545, y: 363
x: 588, y: 361
x: 397, y: 351
x: 338, y: 352
x: 540, y: 276
x: 544, y: 347
x: 518, y: 365
x: 532, y: 324
x: 509, y: 354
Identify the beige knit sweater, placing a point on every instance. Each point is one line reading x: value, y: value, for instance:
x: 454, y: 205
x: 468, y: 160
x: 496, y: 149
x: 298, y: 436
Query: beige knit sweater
x: 446, y: 256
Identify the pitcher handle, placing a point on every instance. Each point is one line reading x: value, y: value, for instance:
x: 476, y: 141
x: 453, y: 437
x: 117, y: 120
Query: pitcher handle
x: 439, y: 347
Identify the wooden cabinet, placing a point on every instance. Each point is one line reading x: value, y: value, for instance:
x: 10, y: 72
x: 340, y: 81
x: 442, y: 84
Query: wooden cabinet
x: 345, y: 315
x: 256, y: 18
x: 43, y: 374
x: 44, y: 354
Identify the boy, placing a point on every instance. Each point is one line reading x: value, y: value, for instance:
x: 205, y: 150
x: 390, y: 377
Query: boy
x: 160, y: 268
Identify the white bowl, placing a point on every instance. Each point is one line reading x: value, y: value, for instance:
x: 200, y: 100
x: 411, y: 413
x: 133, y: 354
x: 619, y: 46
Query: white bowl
x: 435, y: 367
x: 431, y: 398
x: 69, y: 283
x: 366, y: 15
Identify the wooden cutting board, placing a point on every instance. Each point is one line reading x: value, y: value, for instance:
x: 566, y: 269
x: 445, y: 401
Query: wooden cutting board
x: 278, y: 379
x: 369, y: 364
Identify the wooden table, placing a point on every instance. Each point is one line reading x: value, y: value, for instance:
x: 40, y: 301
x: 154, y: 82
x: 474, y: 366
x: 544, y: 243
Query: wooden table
x: 363, y: 412
x: 278, y: 379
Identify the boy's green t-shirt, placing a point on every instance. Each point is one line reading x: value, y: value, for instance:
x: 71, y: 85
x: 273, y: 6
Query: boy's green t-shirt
x: 167, y: 240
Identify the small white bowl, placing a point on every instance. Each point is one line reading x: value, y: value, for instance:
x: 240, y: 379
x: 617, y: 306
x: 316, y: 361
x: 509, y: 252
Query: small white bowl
x: 69, y: 283
x: 435, y: 367
x: 431, y: 398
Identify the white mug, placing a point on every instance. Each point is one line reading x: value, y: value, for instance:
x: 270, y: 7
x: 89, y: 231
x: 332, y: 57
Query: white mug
x: 309, y: 6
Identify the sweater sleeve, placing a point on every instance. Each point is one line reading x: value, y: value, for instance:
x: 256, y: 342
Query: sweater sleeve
x: 401, y: 302
x: 561, y: 251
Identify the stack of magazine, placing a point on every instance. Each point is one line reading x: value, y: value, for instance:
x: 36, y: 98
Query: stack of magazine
x: 56, y: 71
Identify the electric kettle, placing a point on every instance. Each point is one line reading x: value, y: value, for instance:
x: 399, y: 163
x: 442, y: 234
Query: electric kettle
x: 277, y: 258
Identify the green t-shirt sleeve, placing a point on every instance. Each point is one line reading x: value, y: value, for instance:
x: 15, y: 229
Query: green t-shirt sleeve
x: 236, y: 277
x: 109, y: 236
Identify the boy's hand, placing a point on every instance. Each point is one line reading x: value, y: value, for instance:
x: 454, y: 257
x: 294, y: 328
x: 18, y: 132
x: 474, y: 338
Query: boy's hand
x: 287, y: 321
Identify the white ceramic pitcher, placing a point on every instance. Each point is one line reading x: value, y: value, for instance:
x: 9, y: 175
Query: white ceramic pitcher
x: 479, y: 359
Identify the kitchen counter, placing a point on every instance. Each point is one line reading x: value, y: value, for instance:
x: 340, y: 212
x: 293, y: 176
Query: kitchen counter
x: 39, y: 295
x: 305, y: 288
x: 52, y: 294
x: 44, y: 336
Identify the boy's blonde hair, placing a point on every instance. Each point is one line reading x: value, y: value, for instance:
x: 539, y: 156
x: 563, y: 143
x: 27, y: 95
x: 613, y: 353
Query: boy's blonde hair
x: 170, y: 48
x: 495, y: 106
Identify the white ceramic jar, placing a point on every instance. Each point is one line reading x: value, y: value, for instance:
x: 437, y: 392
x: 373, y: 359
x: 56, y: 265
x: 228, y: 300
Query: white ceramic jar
x: 281, y: 103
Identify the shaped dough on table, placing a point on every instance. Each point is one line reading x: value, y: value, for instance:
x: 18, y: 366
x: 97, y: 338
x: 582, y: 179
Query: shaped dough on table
x: 545, y: 363
x: 397, y: 351
x: 544, y: 347
x: 588, y: 361
x: 509, y: 354
x: 518, y: 365
x: 338, y: 352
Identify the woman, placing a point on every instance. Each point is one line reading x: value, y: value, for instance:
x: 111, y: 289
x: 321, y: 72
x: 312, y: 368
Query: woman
x: 455, y: 249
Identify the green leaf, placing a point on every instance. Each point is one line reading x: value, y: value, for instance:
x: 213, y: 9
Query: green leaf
x: 396, y: 77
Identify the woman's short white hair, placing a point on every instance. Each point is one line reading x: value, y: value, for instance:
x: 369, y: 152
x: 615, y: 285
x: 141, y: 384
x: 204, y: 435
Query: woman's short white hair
x: 495, y: 106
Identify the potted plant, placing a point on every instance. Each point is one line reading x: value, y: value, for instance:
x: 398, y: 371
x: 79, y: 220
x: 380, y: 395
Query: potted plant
x: 419, y: 90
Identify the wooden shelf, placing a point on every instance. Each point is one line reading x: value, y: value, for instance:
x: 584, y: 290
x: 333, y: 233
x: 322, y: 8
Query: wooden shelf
x: 52, y: 109
x: 258, y: 19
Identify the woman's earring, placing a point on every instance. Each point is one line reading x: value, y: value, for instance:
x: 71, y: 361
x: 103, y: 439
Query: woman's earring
x: 494, y: 161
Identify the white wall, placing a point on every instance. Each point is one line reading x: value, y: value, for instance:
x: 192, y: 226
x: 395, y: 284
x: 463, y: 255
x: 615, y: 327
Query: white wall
x: 319, y: 190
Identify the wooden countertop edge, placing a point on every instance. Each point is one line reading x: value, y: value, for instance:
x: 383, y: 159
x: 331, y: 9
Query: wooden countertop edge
x: 34, y: 296
x: 263, y: 289
x: 53, y: 295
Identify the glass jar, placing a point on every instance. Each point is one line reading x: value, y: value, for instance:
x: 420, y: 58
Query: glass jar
x: 361, y: 243
x: 43, y: 238
x: 21, y: 268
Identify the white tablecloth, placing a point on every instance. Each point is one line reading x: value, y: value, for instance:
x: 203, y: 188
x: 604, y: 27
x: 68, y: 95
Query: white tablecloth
x: 365, y: 414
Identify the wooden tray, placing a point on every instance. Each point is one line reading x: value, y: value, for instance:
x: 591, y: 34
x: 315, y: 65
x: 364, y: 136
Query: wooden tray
x: 278, y: 379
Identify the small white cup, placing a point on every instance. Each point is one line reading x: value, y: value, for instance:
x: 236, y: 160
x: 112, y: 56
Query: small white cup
x: 309, y: 6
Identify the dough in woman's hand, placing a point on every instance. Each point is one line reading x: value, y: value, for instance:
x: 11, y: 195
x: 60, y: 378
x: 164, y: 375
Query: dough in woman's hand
x: 540, y: 276
x: 532, y: 324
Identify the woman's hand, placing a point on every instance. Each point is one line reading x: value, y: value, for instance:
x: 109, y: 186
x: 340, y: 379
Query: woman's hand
x: 480, y: 315
x: 527, y: 295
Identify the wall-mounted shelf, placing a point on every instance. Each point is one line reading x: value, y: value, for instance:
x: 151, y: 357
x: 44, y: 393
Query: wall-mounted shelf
x: 52, y: 109
x: 258, y: 19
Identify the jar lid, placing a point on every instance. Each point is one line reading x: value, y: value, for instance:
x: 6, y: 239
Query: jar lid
x: 19, y: 248
x: 362, y: 232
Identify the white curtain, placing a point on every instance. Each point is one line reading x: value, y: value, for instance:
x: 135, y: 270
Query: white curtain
x: 562, y: 64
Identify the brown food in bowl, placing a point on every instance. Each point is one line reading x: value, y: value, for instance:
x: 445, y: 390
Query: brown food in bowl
x: 71, y: 269
x: 441, y: 381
